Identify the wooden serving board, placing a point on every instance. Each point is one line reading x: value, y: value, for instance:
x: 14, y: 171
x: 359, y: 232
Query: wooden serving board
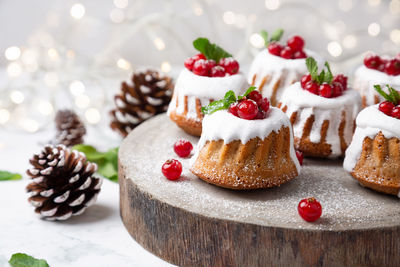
x: 191, y: 223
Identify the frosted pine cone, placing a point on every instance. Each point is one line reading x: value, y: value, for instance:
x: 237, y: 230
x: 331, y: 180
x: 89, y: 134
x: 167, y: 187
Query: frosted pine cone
x: 148, y: 94
x: 62, y: 183
x: 70, y: 129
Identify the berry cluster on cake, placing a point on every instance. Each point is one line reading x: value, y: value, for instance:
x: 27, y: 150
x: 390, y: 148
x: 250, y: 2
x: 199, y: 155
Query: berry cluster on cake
x: 277, y: 67
x: 253, y: 149
x: 205, y: 78
x: 322, y: 110
x: 376, y: 70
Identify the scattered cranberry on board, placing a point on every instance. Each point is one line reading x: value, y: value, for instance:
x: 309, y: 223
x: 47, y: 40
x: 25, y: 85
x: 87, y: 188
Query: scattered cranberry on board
x: 172, y: 169
x: 183, y: 148
x: 309, y: 209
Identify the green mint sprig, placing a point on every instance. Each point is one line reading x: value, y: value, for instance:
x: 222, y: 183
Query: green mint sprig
x: 210, y: 50
x: 24, y: 260
x: 275, y: 36
x: 393, y: 95
x: 323, y: 76
x: 107, y: 162
x: 224, y: 103
x: 7, y: 176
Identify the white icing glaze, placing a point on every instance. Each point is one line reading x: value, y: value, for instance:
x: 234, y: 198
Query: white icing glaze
x: 369, y: 123
x: 235, y: 128
x: 306, y: 104
x: 203, y: 88
x: 266, y: 64
x: 366, y: 78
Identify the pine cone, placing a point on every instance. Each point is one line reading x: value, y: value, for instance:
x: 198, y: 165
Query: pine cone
x: 62, y: 183
x: 148, y: 94
x: 70, y: 129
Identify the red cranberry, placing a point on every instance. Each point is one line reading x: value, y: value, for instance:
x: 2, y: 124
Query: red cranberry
x: 305, y: 79
x: 217, y: 71
x: 392, y: 67
x: 299, y: 55
x: 199, y: 56
x: 261, y: 115
x: 230, y: 65
x: 386, y: 107
x: 381, y: 66
x: 372, y: 61
x: 233, y: 109
x: 396, y: 112
x: 287, y: 53
x: 325, y: 90
x: 200, y: 68
x: 263, y: 104
x: 300, y: 156
x: 172, y: 169
x: 189, y: 62
x: 312, y: 87
x: 275, y: 49
x: 337, y: 89
x: 296, y: 43
x: 210, y: 63
x: 309, y: 209
x: 183, y: 148
x: 254, y: 95
x: 247, y: 109
x: 340, y: 78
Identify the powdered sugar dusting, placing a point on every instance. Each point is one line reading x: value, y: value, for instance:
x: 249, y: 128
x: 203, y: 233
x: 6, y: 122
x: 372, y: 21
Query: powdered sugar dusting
x: 346, y: 205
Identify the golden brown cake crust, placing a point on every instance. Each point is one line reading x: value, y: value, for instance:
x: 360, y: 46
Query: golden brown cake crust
x: 256, y: 164
x: 321, y: 149
x: 190, y: 126
x: 378, y: 167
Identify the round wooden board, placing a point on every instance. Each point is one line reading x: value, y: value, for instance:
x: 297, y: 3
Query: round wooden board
x: 191, y: 223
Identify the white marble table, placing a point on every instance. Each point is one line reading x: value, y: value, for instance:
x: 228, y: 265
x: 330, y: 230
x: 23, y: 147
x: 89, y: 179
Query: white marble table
x: 95, y: 238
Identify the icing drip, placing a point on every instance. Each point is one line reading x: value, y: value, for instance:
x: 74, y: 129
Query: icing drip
x: 204, y: 89
x: 331, y: 109
x: 235, y: 128
x: 277, y: 68
x: 369, y: 123
x: 366, y: 78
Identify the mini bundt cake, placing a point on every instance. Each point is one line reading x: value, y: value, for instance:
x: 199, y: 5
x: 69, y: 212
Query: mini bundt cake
x: 207, y: 77
x: 373, y: 157
x: 277, y: 67
x: 322, y: 114
x: 376, y: 70
x: 249, y: 146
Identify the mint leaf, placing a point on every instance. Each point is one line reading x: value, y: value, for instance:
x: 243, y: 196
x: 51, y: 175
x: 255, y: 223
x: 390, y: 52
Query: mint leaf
x: 312, y: 68
x: 230, y: 96
x: 394, y: 94
x: 328, y: 76
x: 276, y: 35
x: 384, y: 94
x: 321, y: 77
x: 264, y: 35
x: 248, y: 91
x: 6, y: 176
x: 107, y: 162
x: 210, y: 50
x: 24, y: 260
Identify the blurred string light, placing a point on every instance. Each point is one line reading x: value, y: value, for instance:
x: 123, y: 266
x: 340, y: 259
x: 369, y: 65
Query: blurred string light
x: 159, y: 43
x: 123, y: 64
x: 197, y: 9
x: 14, y: 69
x: 374, y: 2
x: 165, y: 66
x: 374, y: 29
x: 77, y: 11
x: 44, y: 107
x: 82, y: 101
x: 30, y: 125
x: 228, y: 17
x: 76, y: 88
x: 12, y: 53
x: 4, y: 116
x: 335, y: 49
x: 92, y: 115
x: 350, y: 41
x: 395, y: 36
x: 17, y: 96
x: 256, y: 40
x: 394, y: 7
x: 272, y: 4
